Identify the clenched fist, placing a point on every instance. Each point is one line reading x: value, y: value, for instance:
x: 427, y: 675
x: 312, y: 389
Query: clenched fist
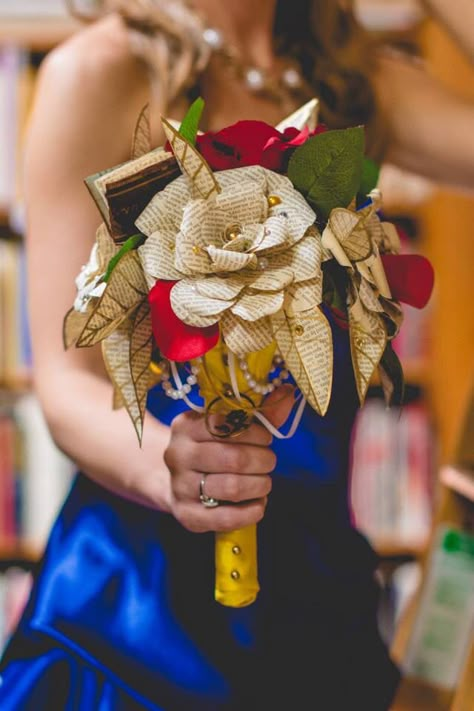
x: 236, y: 471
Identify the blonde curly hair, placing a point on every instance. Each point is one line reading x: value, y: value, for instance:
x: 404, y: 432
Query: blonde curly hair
x: 336, y: 55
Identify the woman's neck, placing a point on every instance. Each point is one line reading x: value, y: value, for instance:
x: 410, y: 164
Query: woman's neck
x: 246, y: 24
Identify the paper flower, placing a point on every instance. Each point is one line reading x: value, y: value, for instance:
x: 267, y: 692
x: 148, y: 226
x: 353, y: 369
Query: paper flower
x: 89, y: 281
x: 234, y: 255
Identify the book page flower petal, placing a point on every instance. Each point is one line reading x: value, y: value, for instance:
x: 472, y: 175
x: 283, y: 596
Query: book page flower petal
x: 251, y: 307
x: 244, y: 337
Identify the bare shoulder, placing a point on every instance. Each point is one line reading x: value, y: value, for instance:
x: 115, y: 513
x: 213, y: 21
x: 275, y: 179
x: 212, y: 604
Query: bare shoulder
x: 96, y: 62
x: 90, y: 92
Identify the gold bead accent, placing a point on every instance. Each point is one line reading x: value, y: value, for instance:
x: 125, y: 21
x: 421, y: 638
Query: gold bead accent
x: 299, y: 330
x: 236, y: 550
x: 273, y: 200
x: 197, y: 249
x: 232, y: 232
x: 235, y: 575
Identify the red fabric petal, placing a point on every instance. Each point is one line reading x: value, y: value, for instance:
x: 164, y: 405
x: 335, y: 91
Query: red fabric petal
x: 175, y: 339
x: 236, y: 146
x: 411, y: 278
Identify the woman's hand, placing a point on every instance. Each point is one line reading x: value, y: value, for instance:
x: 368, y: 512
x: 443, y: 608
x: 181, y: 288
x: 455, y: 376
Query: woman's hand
x: 236, y: 471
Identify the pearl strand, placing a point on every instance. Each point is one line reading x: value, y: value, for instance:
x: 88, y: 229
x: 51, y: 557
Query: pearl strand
x: 265, y: 388
x: 180, y: 392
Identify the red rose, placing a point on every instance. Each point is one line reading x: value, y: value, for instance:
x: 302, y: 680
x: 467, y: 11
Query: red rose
x: 252, y: 143
x: 410, y: 277
x: 176, y: 340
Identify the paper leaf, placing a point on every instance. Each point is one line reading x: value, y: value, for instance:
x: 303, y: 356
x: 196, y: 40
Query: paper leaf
x: 305, y: 116
x: 73, y: 325
x: 141, y: 144
x: 305, y: 342
x: 127, y: 355
x: 352, y: 233
x: 190, y: 125
x: 327, y: 169
x: 244, y: 337
x: 367, y: 349
x: 192, y: 163
x: 126, y: 289
x: 107, y: 248
x: 117, y: 400
x: 391, y: 377
x: 132, y: 242
x: 369, y: 179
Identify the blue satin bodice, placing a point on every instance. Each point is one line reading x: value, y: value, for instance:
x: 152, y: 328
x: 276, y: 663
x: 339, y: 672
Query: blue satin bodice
x: 123, y: 606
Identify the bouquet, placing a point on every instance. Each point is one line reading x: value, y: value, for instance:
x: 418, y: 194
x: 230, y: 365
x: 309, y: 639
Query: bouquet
x: 218, y: 259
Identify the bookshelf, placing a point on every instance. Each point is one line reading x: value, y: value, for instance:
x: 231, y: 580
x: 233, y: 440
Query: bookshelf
x: 450, y: 382
x: 36, y: 34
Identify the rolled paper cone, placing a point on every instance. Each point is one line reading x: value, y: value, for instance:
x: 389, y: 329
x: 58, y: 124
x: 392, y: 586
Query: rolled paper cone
x: 378, y: 273
x: 235, y: 555
x: 330, y: 241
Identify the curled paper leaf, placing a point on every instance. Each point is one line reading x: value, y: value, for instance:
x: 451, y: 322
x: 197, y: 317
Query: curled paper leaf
x: 192, y: 163
x: 367, y: 348
x: 126, y: 289
x: 391, y: 377
x: 305, y: 342
x: 73, y: 325
x: 352, y: 233
x: 141, y: 143
x: 127, y: 355
x: 304, y: 117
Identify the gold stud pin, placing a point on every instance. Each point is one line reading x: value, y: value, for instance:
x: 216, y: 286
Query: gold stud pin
x: 299, y: 330
x: 232, y: 232
x: 236, y: 550
x: 235, y: 575
x: 273, y: 200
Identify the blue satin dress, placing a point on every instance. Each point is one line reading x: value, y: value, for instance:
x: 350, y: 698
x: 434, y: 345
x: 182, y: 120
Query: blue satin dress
x: 122, y: 615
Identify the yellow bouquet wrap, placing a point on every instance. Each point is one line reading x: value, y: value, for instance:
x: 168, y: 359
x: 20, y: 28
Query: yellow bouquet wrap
x: 236, y: 582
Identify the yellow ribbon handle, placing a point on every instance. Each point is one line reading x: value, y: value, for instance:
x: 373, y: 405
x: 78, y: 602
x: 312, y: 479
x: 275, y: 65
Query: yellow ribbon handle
x: 236, y: 581
x: 236, y: 567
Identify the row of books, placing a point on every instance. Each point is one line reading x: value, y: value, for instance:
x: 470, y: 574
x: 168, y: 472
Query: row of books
x: 34, y: 475
x: 15, y: 348
x: 392, y: 477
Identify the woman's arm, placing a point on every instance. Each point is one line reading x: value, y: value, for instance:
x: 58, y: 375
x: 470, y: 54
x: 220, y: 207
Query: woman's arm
x: 90, y: 93
x: 81, y: 122
x: 458, y: 18
x: 429, y: 127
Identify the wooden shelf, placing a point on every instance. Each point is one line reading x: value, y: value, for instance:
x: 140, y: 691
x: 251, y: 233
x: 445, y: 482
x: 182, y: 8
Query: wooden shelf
x: 420, y: 696
x: 36, y: 34
x: 19, y: 551
x: 390, y: 548
x: 16, y: 386
x: 459, y: 480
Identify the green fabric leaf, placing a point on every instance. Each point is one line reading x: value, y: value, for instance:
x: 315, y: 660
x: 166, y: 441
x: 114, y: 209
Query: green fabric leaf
x: 327, y: 169
x: 131, y: 243
x: 190, y: 124
x: 369, y: 180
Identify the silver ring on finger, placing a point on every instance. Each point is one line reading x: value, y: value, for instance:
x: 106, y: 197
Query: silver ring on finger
x: 209, y: 502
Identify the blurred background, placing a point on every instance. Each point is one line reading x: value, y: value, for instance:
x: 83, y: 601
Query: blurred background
x: 412, y: 480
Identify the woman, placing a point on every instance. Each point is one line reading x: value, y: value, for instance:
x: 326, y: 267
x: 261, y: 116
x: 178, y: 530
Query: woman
x: 121, y: 617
